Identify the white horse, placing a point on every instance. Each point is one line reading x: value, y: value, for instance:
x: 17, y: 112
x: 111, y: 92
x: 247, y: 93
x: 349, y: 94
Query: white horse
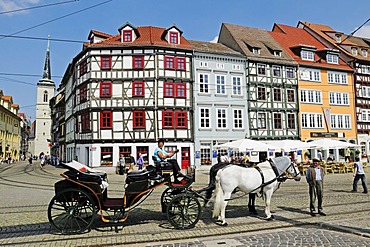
x: 263, y: 178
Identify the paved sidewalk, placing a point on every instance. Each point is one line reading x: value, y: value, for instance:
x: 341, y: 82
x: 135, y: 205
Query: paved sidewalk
x: 27, y: 191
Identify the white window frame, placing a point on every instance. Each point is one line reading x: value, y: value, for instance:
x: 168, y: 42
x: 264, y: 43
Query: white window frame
x: 354, y: 51
x: 220, y: 84
x: 262, y: 65
x: 338, y: 98
x: 261, y: 121
x: 337, y: 78
x: 331, y: 58
x: 312, y: 120
x: 205, y: 83
x: 237, y: 85
x: 203, y: 64
x: 221, y: 116
x: 364, y: 52
x: 310, y: 96
x: 276, y: 68
x: 238, y: 118
x: 289, y: 69
x: 312, y: 75
x: 307, y: 55
x: 340, y: 121
x: 287, y: 98
x: 281, y: 120
x: 203, y: 111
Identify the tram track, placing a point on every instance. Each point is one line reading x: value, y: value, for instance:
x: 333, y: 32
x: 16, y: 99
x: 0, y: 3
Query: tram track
x: 265, y: 225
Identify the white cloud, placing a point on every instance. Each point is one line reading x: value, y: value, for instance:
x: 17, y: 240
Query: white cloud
x: 9, y: 5
x: 214, y: 40
x: 363, y: 32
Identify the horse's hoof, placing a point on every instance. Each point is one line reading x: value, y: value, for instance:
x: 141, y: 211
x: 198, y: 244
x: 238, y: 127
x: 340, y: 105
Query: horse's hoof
x: 270, y: 218
x: 220, y: 223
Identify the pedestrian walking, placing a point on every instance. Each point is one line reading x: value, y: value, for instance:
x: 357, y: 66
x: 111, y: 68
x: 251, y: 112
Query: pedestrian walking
x: 140, y: 161
x: 120, y: 165
x: 315, y: 179
x: 359, y: 173
x: 347, y: 156
x: 132, y: 162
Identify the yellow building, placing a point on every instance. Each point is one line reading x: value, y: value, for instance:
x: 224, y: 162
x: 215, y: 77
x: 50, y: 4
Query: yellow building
x: 9, y: 128
x: 326, y: 90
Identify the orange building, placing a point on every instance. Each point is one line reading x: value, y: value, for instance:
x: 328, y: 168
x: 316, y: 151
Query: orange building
x: 326, y: 90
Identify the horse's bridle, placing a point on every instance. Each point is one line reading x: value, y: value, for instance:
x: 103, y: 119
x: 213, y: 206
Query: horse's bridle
x: 296, y: 172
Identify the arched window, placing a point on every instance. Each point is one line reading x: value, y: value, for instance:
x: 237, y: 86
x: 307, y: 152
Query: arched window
x: 45, y: 96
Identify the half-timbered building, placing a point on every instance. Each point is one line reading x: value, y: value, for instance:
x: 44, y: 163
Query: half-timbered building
x: 126, y: 91
x: 325, y: 86
x: 355, y: 51
x: 220, y: 98
x: 272, y: 82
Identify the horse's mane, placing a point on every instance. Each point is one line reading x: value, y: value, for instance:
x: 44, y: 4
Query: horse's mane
x: 265, y: 164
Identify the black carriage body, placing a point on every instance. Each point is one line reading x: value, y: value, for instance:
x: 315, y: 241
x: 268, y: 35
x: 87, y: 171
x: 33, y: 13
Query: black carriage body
x: 88, y: 182
x: 134, y: 191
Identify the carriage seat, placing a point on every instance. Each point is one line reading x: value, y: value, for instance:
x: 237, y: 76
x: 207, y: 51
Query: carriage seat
x: 145, y: 174
x: 162, y: 166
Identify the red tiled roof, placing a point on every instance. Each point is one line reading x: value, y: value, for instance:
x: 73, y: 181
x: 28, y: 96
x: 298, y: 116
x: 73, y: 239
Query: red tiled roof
x: 149, y: 36
x: 15, y: 106
x: 290, y: 37
x: 351, y: 41
x: 7, y: 97
x: 21, y: 114
x: 98, y: 33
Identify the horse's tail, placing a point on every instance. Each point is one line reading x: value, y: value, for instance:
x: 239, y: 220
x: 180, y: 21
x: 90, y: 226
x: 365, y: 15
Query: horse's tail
x: 219, y: 194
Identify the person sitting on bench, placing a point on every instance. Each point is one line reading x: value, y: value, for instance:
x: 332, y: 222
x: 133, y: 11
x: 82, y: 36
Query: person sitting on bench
x: 162, y: 155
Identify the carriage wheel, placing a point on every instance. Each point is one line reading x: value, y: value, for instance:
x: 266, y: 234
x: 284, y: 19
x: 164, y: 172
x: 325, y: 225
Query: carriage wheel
x: 166, y: 197
x: 71, y: 211
x: 183, y: 211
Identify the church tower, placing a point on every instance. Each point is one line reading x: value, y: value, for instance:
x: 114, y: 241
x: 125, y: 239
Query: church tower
x: 45, y: 91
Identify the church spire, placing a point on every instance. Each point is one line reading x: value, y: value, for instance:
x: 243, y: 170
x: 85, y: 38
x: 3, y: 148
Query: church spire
x: 47, y: 72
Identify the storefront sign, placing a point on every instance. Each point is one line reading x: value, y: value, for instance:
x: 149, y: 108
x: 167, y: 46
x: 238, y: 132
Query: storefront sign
x: 325, y: 134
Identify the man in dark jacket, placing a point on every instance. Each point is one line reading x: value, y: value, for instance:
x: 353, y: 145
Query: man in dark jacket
x: 315, y: 179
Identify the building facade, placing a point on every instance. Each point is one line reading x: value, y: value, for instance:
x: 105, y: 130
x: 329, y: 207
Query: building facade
x: 355, y: 51
x: 325, y: 87
x: 271, y: 80
x: 9, y: 128
x: 125, y: 92
x: 220, y: 99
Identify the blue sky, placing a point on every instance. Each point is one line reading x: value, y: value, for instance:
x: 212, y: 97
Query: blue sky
x: 199, y: 20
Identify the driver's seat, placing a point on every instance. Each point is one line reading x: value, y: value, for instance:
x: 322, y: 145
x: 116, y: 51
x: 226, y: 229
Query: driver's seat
x: 163, y: 167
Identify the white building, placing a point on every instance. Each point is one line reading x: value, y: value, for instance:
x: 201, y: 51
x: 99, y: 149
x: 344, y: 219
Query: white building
x: 125, y: 92
x: 220, y: 99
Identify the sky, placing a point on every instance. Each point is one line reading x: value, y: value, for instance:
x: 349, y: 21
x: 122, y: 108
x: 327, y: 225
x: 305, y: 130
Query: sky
x: 22, y: 60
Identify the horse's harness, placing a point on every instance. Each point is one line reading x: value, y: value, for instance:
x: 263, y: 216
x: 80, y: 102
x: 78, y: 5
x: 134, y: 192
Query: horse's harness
x: 278, y: 177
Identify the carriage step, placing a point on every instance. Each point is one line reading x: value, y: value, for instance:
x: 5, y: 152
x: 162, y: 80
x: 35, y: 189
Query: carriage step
x: 113, y: 203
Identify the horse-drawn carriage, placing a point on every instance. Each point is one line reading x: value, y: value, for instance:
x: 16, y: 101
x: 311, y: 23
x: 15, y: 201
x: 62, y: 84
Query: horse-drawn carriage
x: 81, y: 198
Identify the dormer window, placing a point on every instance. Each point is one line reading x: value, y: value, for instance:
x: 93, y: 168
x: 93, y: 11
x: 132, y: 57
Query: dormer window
x: 330, y: 58
x: 277, y: 53
x: 307, y: 55
x: 354, y: 51
x: 364, y: 53
x: 126, y: 35
x: 173, y: 37
x: 256, y: 51
x: 338, y: 38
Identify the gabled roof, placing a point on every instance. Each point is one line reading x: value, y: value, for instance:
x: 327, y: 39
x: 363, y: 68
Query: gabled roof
x: 99, y: 34
x: 245, y: 38
x: 7, y: 98
x: 292, y: 38
x: 15, y: 106
x: 352, y: 41
x: 148, y: 36
x: 215, y: 48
